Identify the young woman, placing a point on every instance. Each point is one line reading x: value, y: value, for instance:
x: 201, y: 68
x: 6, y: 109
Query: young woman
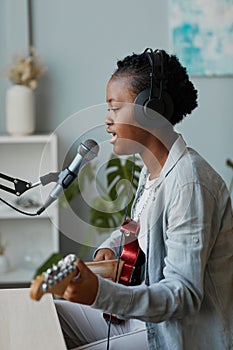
x: 184, y: 212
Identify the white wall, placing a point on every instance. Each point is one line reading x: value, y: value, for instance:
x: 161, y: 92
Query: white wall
x: 80, y: 42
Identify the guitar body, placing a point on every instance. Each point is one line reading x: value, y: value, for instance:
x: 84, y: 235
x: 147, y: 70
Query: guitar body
x: 133, y: 257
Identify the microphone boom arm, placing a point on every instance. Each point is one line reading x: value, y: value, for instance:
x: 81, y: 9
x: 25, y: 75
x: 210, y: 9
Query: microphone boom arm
x: 86, y: 152
x: 21, y: 186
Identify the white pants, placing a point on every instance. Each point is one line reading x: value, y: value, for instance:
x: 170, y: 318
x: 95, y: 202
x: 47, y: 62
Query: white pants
x: 83, y: 325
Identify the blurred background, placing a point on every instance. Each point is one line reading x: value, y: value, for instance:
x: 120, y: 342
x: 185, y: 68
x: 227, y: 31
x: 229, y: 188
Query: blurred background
x: 79, y: 42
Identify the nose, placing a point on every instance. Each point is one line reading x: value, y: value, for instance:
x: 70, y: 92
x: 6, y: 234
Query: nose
x: 108, y: 120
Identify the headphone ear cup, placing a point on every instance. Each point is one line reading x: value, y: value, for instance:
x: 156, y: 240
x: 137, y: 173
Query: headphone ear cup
x: 139, y: 107
x: 143, y: 97
x: 155, y: 104
x: 148, y: 112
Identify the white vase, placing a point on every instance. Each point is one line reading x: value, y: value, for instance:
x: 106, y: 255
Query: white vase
x: 20, y: 110
x: 3, y: 264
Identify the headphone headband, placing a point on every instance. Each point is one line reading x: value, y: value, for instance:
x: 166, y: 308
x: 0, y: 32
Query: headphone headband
x: 154, y: 98
x: 155, y: 59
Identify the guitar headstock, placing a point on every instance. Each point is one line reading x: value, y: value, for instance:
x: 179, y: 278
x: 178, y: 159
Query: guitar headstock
x: 55, y: 279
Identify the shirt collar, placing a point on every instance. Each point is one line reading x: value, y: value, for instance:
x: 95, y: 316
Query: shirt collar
x: 177, y: 150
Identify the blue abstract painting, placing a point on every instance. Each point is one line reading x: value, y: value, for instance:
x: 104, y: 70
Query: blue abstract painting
x: 201, y: 33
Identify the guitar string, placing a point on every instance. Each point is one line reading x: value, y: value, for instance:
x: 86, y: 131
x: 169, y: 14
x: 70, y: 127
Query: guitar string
x: 125, y: 214
x: 121, y: 243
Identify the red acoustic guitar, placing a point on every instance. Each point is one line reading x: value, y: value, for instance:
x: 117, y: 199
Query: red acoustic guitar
x: 126, y: 271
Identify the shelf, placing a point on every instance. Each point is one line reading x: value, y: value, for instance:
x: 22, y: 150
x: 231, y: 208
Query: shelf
x: 23, y: 236
x: 39, y: 138
x: 20, y: 275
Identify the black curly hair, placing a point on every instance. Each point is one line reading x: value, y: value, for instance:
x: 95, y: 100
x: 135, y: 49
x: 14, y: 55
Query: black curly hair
x: 176, y: 81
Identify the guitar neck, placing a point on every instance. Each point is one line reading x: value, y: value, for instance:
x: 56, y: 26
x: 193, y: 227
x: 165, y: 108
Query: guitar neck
x: 47, y: 282
x: 107, y: 268
x: 124, y: 271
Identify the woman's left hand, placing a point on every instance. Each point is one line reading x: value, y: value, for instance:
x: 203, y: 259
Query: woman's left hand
x: 84, y: 289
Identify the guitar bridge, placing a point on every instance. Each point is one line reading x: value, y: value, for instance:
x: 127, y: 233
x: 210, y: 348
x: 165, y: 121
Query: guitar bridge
x: 130, y: 228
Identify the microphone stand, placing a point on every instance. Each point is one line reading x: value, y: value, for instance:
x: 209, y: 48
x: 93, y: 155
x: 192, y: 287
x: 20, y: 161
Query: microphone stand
x: 21, y: 186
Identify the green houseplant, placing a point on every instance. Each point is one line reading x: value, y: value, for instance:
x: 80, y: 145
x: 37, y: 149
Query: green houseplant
x: 230, y: 164
x: 108, y: 209
x: 116, y: 192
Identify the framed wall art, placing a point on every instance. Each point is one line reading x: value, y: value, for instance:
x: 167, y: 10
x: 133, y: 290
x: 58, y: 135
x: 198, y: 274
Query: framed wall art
x: 201, y: 35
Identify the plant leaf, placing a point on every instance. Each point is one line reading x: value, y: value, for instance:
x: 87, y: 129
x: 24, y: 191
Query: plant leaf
x: 229, y: 163
x: 104, y: 217
x: 119, y: 177
x: 86, y: 173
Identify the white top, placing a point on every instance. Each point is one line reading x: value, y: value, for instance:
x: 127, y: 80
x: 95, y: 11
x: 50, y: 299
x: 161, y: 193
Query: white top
x: 141, y: 210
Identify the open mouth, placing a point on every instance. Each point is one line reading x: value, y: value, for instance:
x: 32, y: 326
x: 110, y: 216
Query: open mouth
x: 114, y: 137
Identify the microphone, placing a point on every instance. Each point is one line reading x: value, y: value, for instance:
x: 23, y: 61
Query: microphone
x: 87, y: 151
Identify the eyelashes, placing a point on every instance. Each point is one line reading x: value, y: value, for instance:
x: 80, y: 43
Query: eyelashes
x: 114, y: 109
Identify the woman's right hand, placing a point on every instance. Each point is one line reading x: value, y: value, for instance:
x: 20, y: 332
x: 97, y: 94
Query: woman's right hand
x: 104, y: 254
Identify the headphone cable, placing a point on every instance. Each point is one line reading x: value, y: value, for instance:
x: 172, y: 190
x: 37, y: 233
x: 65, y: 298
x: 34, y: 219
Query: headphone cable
x: 120, y: 246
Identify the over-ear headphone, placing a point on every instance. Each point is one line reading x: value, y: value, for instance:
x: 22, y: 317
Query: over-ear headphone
x: 153, y: 99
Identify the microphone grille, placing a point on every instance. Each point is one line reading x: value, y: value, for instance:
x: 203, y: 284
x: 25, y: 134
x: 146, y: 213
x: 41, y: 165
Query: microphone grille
x: 89, y: 149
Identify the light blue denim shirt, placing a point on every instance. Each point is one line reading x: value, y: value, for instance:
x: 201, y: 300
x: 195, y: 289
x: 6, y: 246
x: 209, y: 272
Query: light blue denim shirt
x: 187, y: 298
